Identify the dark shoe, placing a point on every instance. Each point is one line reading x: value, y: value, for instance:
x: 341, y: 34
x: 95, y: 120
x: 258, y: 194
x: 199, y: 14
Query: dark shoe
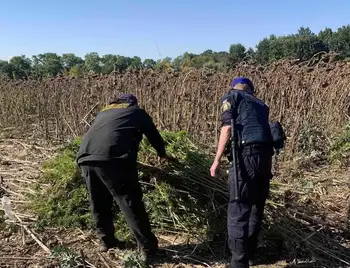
x: 104, y: 247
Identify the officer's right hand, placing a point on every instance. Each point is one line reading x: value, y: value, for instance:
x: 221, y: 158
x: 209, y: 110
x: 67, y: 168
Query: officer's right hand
x: 214, y: 168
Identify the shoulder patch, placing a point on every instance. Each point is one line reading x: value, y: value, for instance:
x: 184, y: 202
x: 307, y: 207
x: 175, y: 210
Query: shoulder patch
x: 225, y: 106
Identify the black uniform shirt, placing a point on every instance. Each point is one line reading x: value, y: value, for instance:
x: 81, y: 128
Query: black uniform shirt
x: 116, y: 134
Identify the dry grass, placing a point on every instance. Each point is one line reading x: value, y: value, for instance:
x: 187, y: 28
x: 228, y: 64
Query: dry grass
x: 312, y: 103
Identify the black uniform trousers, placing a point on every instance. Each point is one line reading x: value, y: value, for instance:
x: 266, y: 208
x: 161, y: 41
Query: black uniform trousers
x: 245, y: 217
x: 117, y: 180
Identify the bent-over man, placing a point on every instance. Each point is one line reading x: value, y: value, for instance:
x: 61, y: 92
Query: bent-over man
x: 108, y: 160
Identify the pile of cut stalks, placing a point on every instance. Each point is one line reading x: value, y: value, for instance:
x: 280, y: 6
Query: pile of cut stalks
x: 182, y: 198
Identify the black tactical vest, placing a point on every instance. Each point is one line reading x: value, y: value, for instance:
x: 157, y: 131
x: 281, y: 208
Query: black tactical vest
x: 252, y: 118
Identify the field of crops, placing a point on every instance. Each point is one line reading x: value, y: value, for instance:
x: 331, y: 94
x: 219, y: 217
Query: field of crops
x: 309, y: 101
x: 310, y: 204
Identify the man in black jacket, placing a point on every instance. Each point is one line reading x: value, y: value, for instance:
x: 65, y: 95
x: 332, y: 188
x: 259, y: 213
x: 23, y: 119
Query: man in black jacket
x: 108, y: 160
x: 254, y: 155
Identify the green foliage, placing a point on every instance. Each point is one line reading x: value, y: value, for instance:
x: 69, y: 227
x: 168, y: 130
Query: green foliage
x: 65, y: 201
x: 340, y: 150
x: 149, y: 63
x: 340, y: 41
x: 92, y: 63
x: 5, y: 69
x: 263, y: 50
x: 76, y: 71
x: 66, y: 257
x: 133, y: 260
x: 109, y: 62
x: 47, y: 64
x: 163, y: 64
x: 20, y: 67
x: 136, y: 63
x: 176, y: 195
x: 237, y: 53
x: 70, y: 61
x: 303, y: 45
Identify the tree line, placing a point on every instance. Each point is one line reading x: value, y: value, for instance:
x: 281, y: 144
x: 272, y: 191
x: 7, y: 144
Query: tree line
x: 301, y: 45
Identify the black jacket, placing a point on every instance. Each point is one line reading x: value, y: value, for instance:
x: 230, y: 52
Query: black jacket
x: 116, y: 134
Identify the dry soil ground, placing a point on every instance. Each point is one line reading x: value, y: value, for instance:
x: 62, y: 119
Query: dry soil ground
x: 19, y: 167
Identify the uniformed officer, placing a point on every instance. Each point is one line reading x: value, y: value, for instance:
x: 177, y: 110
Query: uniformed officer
x: 254, y: 155
x: 108, y: 160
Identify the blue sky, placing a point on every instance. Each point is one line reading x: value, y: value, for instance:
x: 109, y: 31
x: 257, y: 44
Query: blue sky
x: 133, y: 27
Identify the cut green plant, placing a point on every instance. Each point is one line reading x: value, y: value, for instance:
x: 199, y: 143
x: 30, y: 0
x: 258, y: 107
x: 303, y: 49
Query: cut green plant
x: 181, y: 197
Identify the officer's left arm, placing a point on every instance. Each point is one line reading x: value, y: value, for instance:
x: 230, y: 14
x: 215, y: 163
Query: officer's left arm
x: 226, y: 116
x: 227, y: 107
x: 224, y: 138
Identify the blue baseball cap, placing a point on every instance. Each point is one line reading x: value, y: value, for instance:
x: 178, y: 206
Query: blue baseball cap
x: 243, y: 80
x: 127, y: 98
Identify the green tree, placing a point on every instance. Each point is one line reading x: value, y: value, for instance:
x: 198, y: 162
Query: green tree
x: 47, y: 64
x: 326, y: 36
x: 20, y: 66
x: 223, y: 60
x: 177, y: 62
x: 93, y: 62
x: 208, y: 52
x: 69, y: 60
x: 123, y: 63
x: 211, y: 65
x: 263, y: 50
x: 149, y: 63
x: 237, y: 53
x: 5, y: 69
x: 305, y: 32
x: 164, y: 64
x: 109, y: 63
x: 250, y: 53
x: 308, y: 44
x: 187, y: 60
x: 136, y: 63
x: 76, y: 71
x: 302, y: 45
x: 200, y: 60
x: 341, y: 41
x: 277, y: 48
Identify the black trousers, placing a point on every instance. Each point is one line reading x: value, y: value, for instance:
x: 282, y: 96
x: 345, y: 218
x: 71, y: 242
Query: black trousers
x: 117, y: 180
x: 245, y: 217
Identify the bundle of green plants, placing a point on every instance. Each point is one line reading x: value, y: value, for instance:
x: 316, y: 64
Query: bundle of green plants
x: 180, y: 196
